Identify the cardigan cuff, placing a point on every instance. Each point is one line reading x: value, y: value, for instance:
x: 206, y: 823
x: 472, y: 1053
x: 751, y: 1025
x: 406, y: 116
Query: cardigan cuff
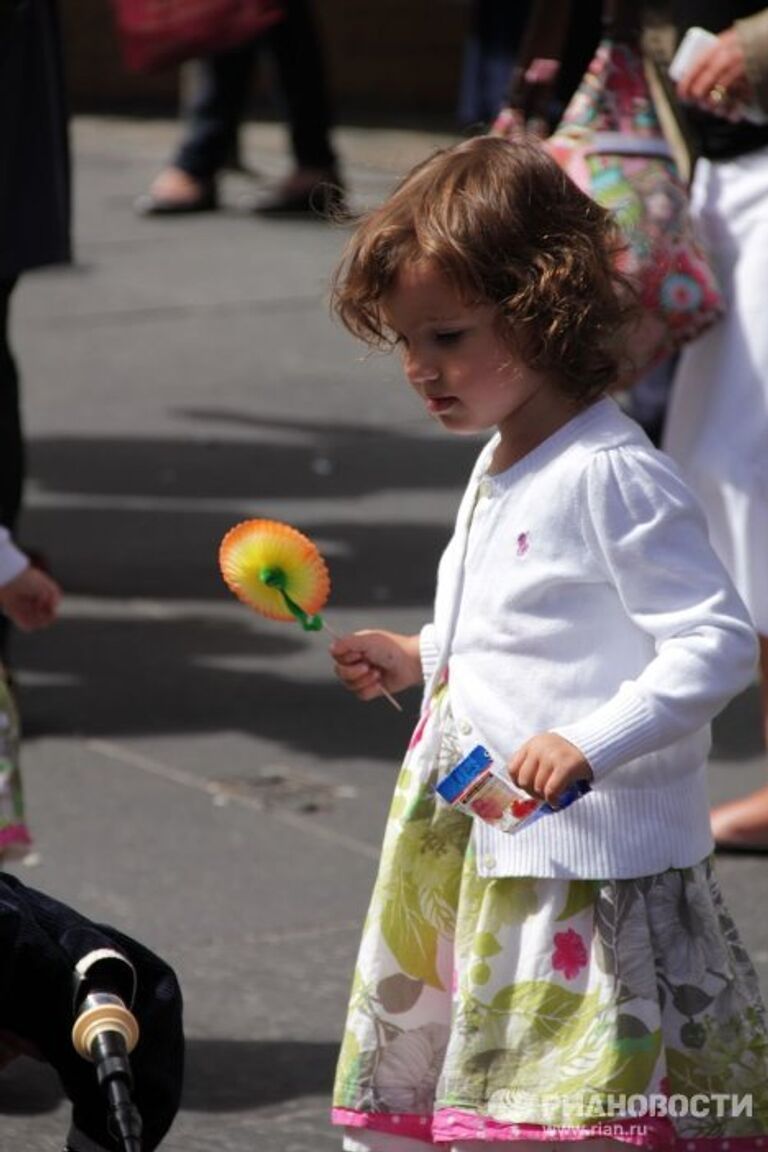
x: 12, y: 560
x: 429, y: 650
x: 616, y: 732
x: 752, y: 33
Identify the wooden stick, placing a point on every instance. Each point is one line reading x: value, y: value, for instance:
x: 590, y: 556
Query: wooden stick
x: 388, y: 695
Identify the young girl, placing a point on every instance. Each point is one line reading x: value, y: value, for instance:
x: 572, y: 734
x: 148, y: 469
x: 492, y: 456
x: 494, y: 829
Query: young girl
x: 580, y: 979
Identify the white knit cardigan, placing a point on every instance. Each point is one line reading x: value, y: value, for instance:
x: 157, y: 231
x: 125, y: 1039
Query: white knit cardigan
x: 579, y: 594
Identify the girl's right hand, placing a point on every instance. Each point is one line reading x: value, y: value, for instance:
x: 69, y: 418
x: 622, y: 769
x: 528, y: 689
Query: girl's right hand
x: 367, y: 661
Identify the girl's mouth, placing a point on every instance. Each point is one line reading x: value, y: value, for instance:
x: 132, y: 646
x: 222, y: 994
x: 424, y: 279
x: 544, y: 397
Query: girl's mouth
x: 439, y: 404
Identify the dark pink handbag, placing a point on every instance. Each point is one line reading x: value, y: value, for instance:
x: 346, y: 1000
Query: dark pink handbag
x: 157, y: 34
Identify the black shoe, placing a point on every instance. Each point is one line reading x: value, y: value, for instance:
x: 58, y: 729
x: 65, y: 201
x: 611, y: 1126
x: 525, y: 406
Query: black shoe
x: 324, y: 199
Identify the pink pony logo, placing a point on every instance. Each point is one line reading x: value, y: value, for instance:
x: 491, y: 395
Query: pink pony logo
x: 523, y: 544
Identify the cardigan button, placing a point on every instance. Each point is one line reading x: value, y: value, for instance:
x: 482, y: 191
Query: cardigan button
x: 489, y: 862
x: 465, y: 727
x: 485, y: 488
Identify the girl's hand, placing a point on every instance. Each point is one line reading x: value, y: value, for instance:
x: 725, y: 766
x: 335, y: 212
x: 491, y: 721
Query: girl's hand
x: 717, y: 81
x: 546, y: 765
x: 31, y: 599
x: 366, y: 661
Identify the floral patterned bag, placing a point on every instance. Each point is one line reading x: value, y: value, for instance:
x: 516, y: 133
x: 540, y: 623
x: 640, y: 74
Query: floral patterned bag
x: 611, y: 144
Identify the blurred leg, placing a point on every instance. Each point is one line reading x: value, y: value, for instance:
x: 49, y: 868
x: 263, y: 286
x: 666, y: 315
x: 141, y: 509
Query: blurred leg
x: 187, y: 184
x: 301, y: 74
x: 11, y: 442
x: 489, y: 56
x: 216, y: 111
x: 742, y: 825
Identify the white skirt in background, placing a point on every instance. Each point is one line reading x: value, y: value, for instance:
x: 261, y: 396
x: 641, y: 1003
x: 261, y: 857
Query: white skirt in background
x: 717, y: 423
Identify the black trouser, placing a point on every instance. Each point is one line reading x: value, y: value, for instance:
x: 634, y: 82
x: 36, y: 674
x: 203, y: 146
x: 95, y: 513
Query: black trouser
x: 219, y: 105
x: 489, y: 54
x: 11, y: 442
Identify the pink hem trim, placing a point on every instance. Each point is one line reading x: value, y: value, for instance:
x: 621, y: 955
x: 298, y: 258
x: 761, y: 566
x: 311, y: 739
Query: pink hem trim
x: 396, y: 1123
x: 451, y: 1124
x: 14, y: 834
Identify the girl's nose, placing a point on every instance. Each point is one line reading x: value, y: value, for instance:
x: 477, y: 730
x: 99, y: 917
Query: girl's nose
x: 419, y: 370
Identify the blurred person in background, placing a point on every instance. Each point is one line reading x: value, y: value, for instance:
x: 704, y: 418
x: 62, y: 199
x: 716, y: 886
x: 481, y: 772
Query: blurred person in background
x: 34, y: 196
x: 34, y: 231
x: 497, y: 36
x: 189, y: 182
x: 717, y: 420
x: 490, y: 51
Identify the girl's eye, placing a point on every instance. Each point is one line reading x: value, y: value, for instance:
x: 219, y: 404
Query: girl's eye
x: 451, y: 337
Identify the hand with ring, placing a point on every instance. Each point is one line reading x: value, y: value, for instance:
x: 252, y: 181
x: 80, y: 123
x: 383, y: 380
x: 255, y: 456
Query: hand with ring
x: 717, y: 80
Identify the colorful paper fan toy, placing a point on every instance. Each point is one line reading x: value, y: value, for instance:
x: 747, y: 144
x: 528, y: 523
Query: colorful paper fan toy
x: 278, y: 572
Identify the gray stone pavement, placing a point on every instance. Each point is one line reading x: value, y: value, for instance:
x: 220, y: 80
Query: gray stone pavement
x: 194, y: 774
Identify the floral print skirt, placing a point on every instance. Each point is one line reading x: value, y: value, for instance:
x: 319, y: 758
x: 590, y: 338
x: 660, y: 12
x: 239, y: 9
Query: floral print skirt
x: 543, y: 1010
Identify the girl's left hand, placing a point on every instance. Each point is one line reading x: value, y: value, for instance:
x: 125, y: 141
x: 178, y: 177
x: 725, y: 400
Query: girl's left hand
x: 717, y: 80
x: 546, y: 765
x: 31, y: 599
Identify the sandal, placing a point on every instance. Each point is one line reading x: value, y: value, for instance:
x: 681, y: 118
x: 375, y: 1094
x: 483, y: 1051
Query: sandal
x: 149, y: 205
x: 177, y: 193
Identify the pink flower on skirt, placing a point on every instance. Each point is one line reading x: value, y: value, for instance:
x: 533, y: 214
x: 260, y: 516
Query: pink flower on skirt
x: 570, y: 955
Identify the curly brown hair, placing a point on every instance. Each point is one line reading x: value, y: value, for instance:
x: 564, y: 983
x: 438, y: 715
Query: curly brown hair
x: 506, y: 226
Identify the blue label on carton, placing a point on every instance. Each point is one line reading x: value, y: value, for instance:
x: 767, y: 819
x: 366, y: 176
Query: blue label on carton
x: 464, y: 773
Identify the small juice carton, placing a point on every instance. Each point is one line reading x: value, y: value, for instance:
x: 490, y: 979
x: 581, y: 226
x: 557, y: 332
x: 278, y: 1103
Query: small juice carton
x: 474, y: 787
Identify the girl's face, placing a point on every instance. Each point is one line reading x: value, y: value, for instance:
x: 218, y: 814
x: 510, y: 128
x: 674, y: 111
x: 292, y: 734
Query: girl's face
x: 468, y: 377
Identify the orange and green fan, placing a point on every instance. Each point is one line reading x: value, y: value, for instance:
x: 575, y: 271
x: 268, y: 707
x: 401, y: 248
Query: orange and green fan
x: 278, y: 572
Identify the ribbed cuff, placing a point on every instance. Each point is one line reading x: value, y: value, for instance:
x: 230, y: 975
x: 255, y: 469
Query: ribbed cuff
x: 12, y: 560
x: 429, y: 650
x: 617, y: 732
